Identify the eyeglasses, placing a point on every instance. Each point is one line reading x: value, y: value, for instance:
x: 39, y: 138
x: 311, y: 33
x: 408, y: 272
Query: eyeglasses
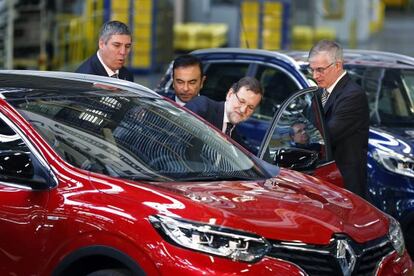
x: 319, y: 70
x: 300, y: 131
x: 242, y: 102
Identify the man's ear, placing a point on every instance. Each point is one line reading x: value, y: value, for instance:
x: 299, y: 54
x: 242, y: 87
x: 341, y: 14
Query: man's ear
x: 229, y: 93
x: 101, y: 43
x: 203, y: 79
x: 339, y: 65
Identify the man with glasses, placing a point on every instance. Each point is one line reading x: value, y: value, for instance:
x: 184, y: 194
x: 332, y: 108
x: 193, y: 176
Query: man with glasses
x: 346, y: 113
x: 299, y: 137
x: 242, y: 99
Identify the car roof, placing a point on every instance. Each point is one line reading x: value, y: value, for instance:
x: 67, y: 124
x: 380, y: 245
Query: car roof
x: 242, y: 53
x: 364, y: 57
x: 30, y: 82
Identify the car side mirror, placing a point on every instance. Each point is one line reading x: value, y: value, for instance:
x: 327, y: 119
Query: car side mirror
x: 296, y: 159
x: 17, y: 167
x: 16, y: 164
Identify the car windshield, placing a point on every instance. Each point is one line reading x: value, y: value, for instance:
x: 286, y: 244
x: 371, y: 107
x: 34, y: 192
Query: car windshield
x: 127, y: 136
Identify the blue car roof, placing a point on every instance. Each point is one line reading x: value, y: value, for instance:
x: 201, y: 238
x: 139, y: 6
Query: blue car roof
x: 364, y: 58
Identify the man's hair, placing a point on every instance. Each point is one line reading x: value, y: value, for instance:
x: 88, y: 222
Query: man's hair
x: 250, y: 83
x: 291, y: 129
x: 111, y: 28
x: 334, y: 50
x: 187, y: 60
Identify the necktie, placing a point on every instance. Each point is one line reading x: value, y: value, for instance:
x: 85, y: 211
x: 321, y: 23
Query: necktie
x: 114, y: 76
x: 229, y: 129
x: 324, y: 97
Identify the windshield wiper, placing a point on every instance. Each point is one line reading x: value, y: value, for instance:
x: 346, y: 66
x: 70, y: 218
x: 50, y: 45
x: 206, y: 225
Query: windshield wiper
x: 219, y: 178
x: 153, y: 178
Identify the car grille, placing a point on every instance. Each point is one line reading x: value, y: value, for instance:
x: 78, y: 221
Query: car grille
x: 322, y: 260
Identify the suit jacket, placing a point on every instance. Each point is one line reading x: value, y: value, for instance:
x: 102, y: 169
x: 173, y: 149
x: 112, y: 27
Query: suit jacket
x: 93, y: 66
x: 213, y: 112
x: 170, y: 96
x: 347, y: 117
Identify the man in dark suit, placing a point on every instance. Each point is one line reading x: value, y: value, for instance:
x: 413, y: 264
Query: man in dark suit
x: 346, y: 112
x: 242, y: 99
x: 114, y: 46
x: 188, y: 78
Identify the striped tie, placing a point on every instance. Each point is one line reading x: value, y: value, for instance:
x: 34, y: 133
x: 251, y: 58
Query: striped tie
x: 325, y: 96
x: 229, y: 129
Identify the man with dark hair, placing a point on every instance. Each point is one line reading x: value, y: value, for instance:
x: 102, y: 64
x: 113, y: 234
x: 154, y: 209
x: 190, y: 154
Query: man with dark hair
x: 346, y: 112
x: 299, y: 137
x: 241, y: 101
x: 188, y: 78
x: 114, y: 45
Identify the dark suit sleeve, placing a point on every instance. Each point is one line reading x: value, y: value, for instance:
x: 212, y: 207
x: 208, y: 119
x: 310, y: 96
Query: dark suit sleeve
x: 199, y: 105
x: 92, y: 66
x: 84, y: 68
x: 351, y: 112
x: 210, y: 110
x: 125, y: 74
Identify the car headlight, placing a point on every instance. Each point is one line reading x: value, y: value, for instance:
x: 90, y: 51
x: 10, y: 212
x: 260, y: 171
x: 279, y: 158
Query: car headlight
x: 210, y: 239
x: 396, y: 163
x: 396, y: 236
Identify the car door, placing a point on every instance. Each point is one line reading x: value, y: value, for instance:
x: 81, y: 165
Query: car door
x: 278, y: 83
x: 22, y: 205
x: 281, y: 147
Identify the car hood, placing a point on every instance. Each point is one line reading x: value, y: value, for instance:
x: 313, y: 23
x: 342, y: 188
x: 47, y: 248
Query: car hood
x: 290, y: 207
x: 399, y: 140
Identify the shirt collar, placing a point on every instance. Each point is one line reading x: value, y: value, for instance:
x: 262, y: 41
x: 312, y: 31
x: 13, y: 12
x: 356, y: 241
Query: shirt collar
x: 180, y: 102
x: 225, y: 118
x: 331, y: 88
x: 107, y: 69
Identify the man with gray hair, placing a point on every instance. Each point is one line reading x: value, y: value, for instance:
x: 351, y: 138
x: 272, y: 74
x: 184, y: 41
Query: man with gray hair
x: 346, y: 111
x: 114, y: 45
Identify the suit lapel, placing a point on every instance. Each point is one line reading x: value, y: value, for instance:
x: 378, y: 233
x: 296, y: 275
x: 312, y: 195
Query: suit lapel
x: 98, y: 67
x: 334, y: 94
x: 220, y: 115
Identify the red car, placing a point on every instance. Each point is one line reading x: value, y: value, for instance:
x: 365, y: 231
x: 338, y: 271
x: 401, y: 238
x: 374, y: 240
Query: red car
x: 100, y: 176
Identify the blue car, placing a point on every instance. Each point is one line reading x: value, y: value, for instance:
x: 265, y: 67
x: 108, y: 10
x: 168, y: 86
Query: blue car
x: 388, y: 80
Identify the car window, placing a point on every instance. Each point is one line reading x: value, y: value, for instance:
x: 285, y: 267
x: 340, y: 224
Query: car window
x: 297, y: 130
x: 370, y: 79
x: 388, y: 92
x: 394, y: 101
x: 408, y: 79
x: 277, y: 86
x: 297, y: 113
x: 15, y: 157
x: 136, y: 138
x: 220, y: 77
x: 9, y: 140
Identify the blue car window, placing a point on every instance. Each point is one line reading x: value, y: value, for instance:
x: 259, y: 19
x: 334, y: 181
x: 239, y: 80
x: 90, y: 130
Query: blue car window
x: 277, y: 86
x: 369, y: 78
x: 220, y: 77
